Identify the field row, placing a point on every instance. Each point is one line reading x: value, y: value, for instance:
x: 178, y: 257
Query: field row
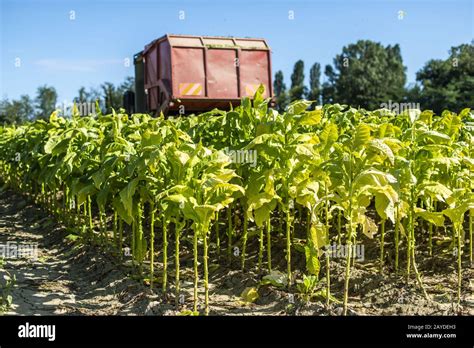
x: 315, y: 181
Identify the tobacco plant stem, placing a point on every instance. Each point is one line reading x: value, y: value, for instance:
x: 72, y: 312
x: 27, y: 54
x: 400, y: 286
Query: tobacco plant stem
x: 269, y: 245
x: 418, y: 276
x: 459, y: 229
x: 430, y: 231
x: 120, y: 238
x: 308, y: 222
x: 115, y: 227
x: 244, y: 239
x: 471, y: 222
x: 382, y: 241
x: 348, y: 273
x: 196, y: 275
x: 89, y: 212
x: 218, y: 237
x: 206, y: 276
x: 349, y: 243
x: 260, y: 250
x: 339, y: 218
x: 229, y: 233
x: 328, y: 269
x: 134, y: 239
x: 397, y: 237
x: 430, y: 239
x: 139, y: 234
x: 408, y: 233
x: 177, y: 232
x: 288, y: 247
x: 152, y: 245
x: 411, y: 232
x: 165, y: 253
x: 102, y: 225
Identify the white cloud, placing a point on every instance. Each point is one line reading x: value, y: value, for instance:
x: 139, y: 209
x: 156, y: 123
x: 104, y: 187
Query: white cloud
x: 78, y: 65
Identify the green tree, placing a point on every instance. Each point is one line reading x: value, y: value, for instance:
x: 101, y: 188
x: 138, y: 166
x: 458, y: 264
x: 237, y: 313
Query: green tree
x: 16, y: 111
x: 279, y: 89
x: 366, y: 74
x: 46, y: 98
x: 92, y: 95
x: 298, y: 89
x: 128, y: 84
x: 449, y: 84
x: 413, y: 94
x: 314, y: 84
x: 328, y: 90
x: 82, y: 95
x: 113, y: 95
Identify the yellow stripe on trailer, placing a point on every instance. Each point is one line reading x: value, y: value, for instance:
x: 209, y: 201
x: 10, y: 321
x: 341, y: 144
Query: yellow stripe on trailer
x: 198, y: 90
x: 190, y: 88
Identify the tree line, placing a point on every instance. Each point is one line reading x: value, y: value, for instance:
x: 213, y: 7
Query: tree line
x: 365, y: 74
x: 46, y: 101
x: 368, y: 75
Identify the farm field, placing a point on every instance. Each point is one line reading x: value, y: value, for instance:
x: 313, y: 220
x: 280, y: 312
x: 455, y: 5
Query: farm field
x: 81, y: 280
x: 331, y: 211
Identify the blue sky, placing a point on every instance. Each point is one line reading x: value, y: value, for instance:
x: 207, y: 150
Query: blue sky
x: 53, y: 49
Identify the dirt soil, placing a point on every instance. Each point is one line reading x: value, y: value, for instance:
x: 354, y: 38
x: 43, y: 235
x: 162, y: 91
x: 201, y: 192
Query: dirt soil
x: 69, y: 278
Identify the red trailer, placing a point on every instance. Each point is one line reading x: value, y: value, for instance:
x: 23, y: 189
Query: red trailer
x: 200, y: 73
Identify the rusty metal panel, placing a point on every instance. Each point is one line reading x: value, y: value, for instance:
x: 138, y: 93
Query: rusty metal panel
x: 188, y: 73
x: 221, y: 41
x: 249, y: 43
x: 193, y: 105
x: 254, y: 70
x: 185, y: 41
x: 151, y: 76
x: 222, y: 74
x: 164, y: 61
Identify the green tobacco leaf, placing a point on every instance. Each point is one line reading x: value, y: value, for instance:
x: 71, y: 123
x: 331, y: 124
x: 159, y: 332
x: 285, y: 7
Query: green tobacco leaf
x: 258, y: 97
x: 50, y: 144
x: 373, y: 178
x: 311, y: 118
x: 436, y: 190
x: 204, y: 212
x: 249, y: 295
x: 378, y: 146
x: 369, y: 227
x: 456, y: 214
x: 312, y: 260
x: 361, y: 135
x: 297, y: 107
x: 87, y: 190
x: 262, y: 214
x: 126, y: 196
x: 318, y: 237
x: 384, y: 205
x: 275, y: 278
x: 121, y: 211
x: 435, y: 137
x: 98, y: 178
x: 434, y: 218
x: 328, y: 135
x: 413, y: 115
